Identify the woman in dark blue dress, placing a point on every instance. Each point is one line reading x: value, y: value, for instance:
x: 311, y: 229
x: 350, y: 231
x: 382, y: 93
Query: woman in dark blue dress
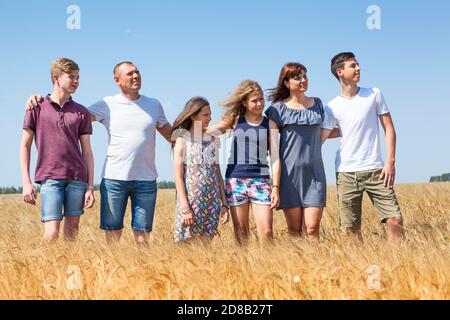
x: 299, y: 119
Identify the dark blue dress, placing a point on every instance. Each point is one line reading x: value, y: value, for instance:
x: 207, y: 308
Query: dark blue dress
x: 303, y: 181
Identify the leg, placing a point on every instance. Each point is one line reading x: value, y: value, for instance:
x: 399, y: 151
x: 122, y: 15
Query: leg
x: 259, y: 192
x: 294, y: 220
x: 141, y: 237
x: 52, y: 197
x: 143, y: 202
x: 240, y: 217
x: 263, y: 219
x: 350, y: 195
x: 51, y: 231
x: 385, y: 201
x: 113, y: 236
x: 394, y: 228
x: 71, y: 227
x: 74, y: 193
x: 113, y: 203
x: 313, y: 215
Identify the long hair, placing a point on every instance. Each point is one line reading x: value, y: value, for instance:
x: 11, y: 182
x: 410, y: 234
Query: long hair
x: 184, y: 121
x: 233, y: 104
x: 289, y: 70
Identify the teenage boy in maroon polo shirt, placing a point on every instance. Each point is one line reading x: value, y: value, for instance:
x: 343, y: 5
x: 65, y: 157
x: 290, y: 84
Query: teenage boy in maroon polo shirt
x: 65, y: 172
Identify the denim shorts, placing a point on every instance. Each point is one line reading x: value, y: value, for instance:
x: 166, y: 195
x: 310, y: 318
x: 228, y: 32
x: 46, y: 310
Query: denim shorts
x: 59, y: 195
x: 114, y: 196
x: 243, y: 190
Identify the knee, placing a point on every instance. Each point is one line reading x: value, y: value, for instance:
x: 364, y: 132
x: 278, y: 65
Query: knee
x: 71, y: 228
x: 395, y: 221
x: 140, y: 237
x: 312, y: 229
x: 267, y: 234
x: 241, y: 231
x: 50, y: 236
x: 294, y: 231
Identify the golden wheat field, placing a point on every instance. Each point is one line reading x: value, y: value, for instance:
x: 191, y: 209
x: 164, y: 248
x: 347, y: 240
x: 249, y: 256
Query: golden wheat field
x: 291, y: 268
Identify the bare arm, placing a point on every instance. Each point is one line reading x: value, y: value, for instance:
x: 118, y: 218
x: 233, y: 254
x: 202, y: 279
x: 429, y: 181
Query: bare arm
x: 274, y: 149
x: 29, y: 193
x: 89, y: 197
x: 166, y: 132
x: 224, y: 211
x: 218, y: 129
x: 329, y: 134
x: 388, y: 173
x: 178, y: 160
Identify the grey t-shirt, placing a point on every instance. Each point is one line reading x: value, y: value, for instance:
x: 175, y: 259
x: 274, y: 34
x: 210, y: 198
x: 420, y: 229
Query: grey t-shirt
x: 131, y: 127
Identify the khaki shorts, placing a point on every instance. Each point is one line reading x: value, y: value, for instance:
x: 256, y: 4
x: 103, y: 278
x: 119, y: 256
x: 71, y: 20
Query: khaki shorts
x: 350, y: 189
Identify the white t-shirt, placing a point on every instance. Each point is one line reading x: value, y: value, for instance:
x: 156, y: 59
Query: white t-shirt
x: 131, y: 127
x: 358, y: 120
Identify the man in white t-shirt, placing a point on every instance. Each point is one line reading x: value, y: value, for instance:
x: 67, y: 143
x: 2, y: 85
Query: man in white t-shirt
x: 129, y: 171
x: 357, y: 112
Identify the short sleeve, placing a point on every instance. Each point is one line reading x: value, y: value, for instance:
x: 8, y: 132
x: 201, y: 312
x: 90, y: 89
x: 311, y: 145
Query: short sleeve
x: 161, y: 121
x: 329, y: 121
x: 99, y: 110
x: 380, y: 103
x: 273, y: 113
x: 86, y: 124
x: 30, y: 119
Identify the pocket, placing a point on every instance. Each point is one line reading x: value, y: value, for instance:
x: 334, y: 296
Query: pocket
x: 376, y: 174
x: 50, y: 184
x: 80, y: 185
x: 345, y: 178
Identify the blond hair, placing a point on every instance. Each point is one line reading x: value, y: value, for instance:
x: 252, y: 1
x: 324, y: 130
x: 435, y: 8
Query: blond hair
x: 234, y: 103
x: 63, y: 65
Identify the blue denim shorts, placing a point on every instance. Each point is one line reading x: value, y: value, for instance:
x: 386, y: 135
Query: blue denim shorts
x: 114, y: 196
x: 59, y: 195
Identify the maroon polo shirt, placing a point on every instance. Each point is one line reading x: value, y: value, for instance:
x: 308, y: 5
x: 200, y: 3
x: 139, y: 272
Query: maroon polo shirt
x: 57, y: 134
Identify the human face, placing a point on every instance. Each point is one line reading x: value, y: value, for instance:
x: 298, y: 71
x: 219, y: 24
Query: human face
x: 128, y: 78
x: 254, y: 103
x: 351, y: 73
x: 204, y: 116
x: 298, y: 83
x: 68, y: 82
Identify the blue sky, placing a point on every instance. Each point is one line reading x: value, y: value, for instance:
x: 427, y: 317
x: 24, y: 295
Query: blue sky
x: 207, y: 47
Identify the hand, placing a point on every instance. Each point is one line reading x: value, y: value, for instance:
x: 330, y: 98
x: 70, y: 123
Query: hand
x: 217, y: 143
x: 33, y: 101
x: 29, y: 194
x: 188, y: 218
x: 275, y: 198
x: 388, y: 175
x: 89, y: 199
x: 224, y: 215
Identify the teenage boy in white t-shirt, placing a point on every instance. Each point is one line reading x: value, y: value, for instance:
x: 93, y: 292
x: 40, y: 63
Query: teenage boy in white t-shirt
x: 357, y: 112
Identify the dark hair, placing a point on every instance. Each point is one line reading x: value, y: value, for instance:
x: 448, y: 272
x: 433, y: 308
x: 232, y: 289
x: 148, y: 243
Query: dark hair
x: 289, y: 70
x: 121, y: 63
x: 338, y: 61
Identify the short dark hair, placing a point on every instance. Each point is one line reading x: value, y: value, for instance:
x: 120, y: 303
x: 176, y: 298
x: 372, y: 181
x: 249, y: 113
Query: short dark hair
x: 121, y: 63
x: 338, y: 61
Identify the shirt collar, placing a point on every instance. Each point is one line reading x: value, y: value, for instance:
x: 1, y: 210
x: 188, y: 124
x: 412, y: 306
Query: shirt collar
x: 53, y: 103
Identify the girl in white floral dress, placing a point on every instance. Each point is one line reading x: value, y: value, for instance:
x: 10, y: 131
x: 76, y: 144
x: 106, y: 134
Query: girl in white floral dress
x: 201, y: 197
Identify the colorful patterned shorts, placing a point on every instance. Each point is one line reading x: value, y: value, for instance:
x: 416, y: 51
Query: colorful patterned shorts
x: 242, y: 190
